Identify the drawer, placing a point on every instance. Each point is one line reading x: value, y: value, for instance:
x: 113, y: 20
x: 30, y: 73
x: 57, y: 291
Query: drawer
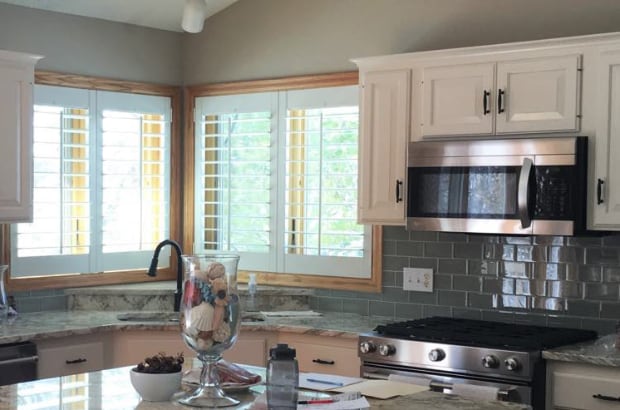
x: 327, y: 359
x: 574, y: 388
x: 70, y: 359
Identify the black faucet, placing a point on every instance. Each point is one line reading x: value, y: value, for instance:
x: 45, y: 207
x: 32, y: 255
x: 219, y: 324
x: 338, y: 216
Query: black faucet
x: 153, y: 269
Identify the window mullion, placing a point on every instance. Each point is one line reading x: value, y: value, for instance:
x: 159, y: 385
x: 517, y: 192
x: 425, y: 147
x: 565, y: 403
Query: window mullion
x: 96, y: 172
x: 61, y: 174
x: 320, y: 187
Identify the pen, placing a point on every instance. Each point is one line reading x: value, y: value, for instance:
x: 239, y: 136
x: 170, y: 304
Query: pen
x: 322, y: 401
x: 325, y: 382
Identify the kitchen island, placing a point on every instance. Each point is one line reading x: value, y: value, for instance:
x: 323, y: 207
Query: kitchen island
x: 111, y: 389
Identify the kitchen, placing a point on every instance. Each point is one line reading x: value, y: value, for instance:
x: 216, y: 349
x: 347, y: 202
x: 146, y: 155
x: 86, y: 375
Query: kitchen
x: 448, y: 254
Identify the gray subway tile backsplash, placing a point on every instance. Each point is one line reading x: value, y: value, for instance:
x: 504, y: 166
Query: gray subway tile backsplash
x: 545, y: 280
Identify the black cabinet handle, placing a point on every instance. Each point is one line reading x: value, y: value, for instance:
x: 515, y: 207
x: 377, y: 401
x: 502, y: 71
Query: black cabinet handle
x: 500, y: 101
x: 599, y: 191
x: 606, y: 398
x: 485, y: 102
x: 76, y: 361
x: 321, y: 361
x: 399, y: 185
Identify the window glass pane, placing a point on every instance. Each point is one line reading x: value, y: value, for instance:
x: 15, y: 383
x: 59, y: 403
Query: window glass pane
x: 321, y: 183
x: 235, y: 188
x: 134, y: 202
x: 61, y: 221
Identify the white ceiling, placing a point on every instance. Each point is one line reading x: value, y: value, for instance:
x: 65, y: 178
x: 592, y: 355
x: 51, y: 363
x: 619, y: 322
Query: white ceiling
x: 161, y: 14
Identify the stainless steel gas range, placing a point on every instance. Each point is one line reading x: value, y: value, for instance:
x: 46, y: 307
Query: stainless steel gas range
x: 443, y: 352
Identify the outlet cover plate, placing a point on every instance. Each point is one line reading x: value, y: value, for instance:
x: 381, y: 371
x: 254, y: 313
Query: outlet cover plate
x: 418, y: 279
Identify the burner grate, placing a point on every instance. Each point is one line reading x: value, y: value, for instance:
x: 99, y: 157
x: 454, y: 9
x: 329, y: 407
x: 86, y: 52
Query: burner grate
x: 482, y: 333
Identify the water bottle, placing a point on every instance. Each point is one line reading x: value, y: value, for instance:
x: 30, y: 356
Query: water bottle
x: 252, y: 293
x: 282, y: 378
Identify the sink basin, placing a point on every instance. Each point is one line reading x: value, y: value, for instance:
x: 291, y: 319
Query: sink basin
x: 174, y: 317
x: 149, y: 317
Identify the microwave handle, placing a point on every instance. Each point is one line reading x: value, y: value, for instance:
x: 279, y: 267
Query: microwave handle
x: 523, y: 193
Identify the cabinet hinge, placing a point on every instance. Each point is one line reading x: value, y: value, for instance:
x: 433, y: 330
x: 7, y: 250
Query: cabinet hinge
x: 579, y: 69
x: 578, y: 116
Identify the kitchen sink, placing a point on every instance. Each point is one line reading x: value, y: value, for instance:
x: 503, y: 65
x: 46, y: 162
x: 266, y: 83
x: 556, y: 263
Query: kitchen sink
x: 149, y: 317
x: 174, y: 317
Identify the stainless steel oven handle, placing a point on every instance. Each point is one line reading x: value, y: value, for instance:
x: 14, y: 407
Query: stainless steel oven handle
x: 27, y: 359
x: 523, y: 193
x: 502, y: 394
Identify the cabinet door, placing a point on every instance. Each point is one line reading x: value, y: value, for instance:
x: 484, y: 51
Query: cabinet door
x: 538, y: 95
x: 384, y: 114
x: 457, y: 100
x: 324, y: 354
x: 132, y: 347
x: 72, y: 355
x: 16, y: 142
x: 584, y: 386
x: 605, y: 200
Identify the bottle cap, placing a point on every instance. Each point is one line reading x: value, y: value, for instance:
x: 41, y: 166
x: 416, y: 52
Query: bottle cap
x: 282, y: 352
x: 252, y: 278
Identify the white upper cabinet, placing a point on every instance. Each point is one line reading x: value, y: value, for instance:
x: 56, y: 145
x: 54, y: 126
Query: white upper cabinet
x: 384, y: 132
x: 517, y: 96
x: 16, y: 79
x: 456, y: 99
x: 606, y: 181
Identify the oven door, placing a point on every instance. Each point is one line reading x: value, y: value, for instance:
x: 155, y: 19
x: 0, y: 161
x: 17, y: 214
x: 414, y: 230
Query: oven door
x: 511, y: 391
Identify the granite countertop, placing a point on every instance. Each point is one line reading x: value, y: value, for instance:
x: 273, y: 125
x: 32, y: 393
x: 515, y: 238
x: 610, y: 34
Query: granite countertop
x: 44, y: 325
x: 124, y: 396
x: 601, y: 352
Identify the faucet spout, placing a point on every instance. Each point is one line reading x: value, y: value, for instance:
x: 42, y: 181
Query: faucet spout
x: 153, y: 268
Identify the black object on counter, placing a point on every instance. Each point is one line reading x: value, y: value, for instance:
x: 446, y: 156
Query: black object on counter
x: 153, y: 268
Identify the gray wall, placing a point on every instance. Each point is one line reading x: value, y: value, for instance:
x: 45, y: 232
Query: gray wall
x: 79, y: 45
x: 549, y: 281
x: 256, y: 39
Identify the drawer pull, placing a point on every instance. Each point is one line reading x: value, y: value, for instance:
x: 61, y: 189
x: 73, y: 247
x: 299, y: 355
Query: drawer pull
x: 76, y: 361
x: 321, y: 361
x: 606, y: 398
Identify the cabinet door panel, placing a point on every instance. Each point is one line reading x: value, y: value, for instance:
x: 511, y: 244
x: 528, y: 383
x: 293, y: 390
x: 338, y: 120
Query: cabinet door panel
x: 539, y: 95
x: 70, y: 359
x: 383, y: 144
x: 16, y: 141
x: 454, y: 100
x: 578, y: 386
x: 607, y: 167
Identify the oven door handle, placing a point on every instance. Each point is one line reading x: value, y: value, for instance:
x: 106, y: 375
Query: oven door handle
x: 523, y: 194
x: 502, y: 394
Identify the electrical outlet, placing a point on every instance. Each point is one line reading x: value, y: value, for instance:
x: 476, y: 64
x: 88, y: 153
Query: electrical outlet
x: 418, y: 279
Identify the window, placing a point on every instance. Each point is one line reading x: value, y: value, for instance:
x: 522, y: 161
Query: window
x: 101, y: 182
x: 276, y: 181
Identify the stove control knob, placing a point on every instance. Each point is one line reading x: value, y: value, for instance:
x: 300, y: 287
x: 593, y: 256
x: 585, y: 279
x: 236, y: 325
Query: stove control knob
x: 436, y: 355
x: 512, y: 364
x: 490, y: 362
x: 386, y: 350
x: 367, y: 347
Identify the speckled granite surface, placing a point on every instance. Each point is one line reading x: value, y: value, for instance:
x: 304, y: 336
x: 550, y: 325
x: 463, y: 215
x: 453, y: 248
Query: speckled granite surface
x: 602, y: 352
x: 159, y: 296
x: 34, y: 326
x: 122, y: 396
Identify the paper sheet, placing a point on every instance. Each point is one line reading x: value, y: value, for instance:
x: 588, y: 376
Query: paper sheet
x: 360, y: 403
x: 323, y: 382
x: 382, y: 389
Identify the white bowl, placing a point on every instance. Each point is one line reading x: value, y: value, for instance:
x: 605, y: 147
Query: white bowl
x: 156, y: 386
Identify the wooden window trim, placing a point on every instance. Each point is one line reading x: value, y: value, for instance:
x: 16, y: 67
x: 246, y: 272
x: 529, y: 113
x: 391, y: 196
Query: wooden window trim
x: 116, y: 277
x: 373, y: 284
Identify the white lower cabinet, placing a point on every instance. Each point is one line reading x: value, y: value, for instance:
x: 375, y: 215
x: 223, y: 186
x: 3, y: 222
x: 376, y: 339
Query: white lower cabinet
x: 71, y: 355
x: 578, y: 386
x: 324, y: 354
x: 252, y: 348
x: 132, y: 347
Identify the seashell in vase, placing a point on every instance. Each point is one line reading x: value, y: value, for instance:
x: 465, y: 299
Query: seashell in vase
x: 201, y: 317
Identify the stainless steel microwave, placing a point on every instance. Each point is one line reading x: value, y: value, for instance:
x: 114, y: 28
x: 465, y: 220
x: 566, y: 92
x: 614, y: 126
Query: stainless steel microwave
x: 533, y: 186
